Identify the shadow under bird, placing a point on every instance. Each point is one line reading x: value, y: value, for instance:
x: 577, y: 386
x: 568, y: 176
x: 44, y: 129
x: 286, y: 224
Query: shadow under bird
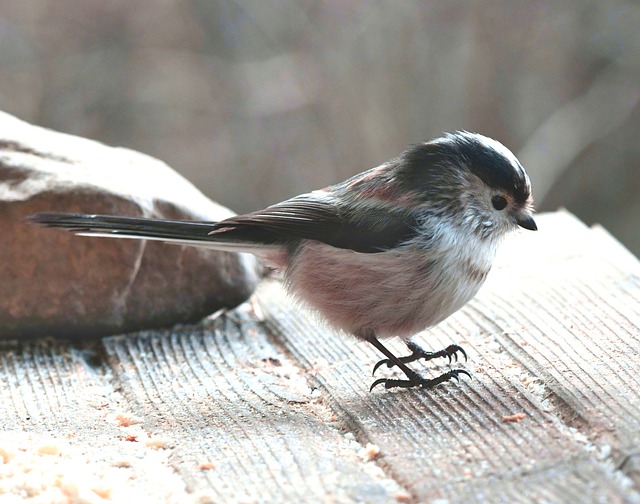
x: 389, y: 252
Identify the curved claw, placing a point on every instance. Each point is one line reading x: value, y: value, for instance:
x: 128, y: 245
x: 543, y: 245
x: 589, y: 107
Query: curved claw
x: 377, y: 382
x: 455, y: 372
x: 380, y: 363
x: 452, y: 352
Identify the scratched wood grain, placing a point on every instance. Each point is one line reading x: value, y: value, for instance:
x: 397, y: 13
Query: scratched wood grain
x: 225, y: 395
x: 581, y: 338
x: 266, y: 404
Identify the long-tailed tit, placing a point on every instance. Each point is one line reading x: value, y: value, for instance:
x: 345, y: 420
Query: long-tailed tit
x: 389, y: 252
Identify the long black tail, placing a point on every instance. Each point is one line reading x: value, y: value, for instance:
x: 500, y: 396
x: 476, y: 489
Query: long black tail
x: 134, y: 227
x: 198, y: 233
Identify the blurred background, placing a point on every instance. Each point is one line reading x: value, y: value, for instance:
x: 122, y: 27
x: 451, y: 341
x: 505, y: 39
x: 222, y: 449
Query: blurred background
x: 255, y: 100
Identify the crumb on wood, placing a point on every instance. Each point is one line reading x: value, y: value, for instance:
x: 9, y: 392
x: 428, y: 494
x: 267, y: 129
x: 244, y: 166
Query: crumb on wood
x: 6, y: 454
x: 516, y: 417
x: 104, y: 492
x: 369, y: 452
x: 402, y: 496
x: 126, y: 420
x: 157, y: 443
x: 51, y: 448
x: 205, y: 466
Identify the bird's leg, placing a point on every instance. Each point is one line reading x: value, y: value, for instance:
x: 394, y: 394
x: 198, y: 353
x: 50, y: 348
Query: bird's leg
x: 414, y: 379
x: 417, y: 352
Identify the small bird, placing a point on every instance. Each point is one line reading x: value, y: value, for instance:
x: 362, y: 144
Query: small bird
x: 388, y: 252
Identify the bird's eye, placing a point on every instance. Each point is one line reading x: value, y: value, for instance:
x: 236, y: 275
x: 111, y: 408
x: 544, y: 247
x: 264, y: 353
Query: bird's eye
x: 499, y: 202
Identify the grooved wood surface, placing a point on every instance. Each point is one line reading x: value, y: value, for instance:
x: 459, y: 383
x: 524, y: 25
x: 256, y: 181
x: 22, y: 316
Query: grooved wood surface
x: 266, y: 404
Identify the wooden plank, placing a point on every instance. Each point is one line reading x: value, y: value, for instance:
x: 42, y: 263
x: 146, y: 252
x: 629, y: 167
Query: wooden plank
x: 580, y: 334
x: 62, y: 437
x: 229, y: 400
x: 208, y: 413
x: 451, y: 442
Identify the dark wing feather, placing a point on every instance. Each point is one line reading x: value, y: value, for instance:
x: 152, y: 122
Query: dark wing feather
x: 316, y: 216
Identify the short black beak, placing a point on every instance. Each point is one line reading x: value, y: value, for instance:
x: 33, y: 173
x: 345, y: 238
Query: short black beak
x: 526, y: 221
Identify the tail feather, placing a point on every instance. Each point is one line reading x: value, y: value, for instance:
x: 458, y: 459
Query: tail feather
x: 111, y: 224
x: 170, y: 231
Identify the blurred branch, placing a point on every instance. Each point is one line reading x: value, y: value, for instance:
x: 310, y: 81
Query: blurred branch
x: 602, y: 109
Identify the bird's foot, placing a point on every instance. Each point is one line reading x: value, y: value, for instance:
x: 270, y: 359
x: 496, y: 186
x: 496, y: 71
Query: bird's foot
x: 417, y: 352
x: 415, y: 380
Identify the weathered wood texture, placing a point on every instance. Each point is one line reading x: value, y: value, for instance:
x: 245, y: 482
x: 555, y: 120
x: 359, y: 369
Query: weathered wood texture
x: 265, y: 404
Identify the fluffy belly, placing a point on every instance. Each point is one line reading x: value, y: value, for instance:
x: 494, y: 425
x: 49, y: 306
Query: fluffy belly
x: 395, y: 293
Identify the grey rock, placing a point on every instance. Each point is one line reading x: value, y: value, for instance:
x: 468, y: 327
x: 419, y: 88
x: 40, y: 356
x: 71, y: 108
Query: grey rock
x: 53, y: 283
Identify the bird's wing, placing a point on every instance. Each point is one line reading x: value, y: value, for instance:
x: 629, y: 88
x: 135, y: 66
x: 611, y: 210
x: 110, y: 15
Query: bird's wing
x: 320, y: 216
